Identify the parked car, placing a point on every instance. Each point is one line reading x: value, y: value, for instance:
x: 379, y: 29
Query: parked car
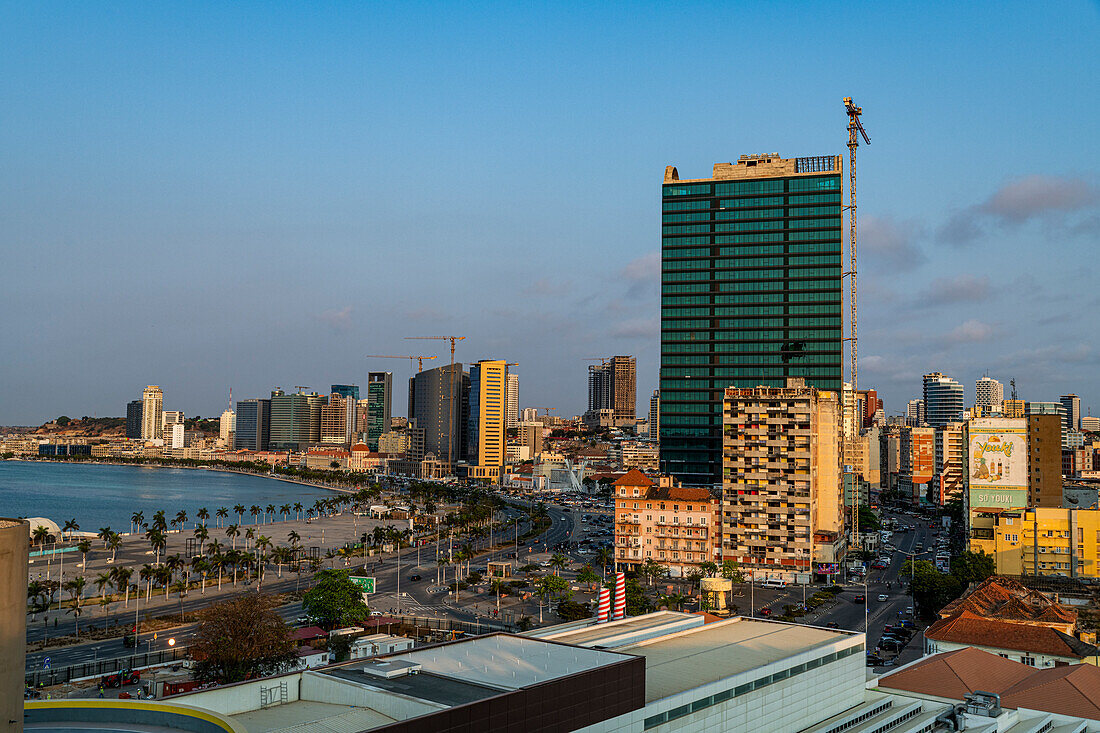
x: 414, y: 578
x: 765, y: 611
x: 874, y: 660
x: 883, y: 597
x: 832, y: 625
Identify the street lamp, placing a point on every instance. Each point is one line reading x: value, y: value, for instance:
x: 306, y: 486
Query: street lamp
x: 172, y: 641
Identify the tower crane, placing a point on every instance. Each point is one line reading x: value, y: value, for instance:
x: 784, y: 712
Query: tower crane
x: 300, y: 387
x: 450, y: 391
x: 854, y: 127
x: 419, y: 359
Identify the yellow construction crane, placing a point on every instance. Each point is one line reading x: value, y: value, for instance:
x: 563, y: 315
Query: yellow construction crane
x: 602, y: 359
x: 300, y: 387
x: 450, y: 391
x: 419, y: 359
x: 855, y: 131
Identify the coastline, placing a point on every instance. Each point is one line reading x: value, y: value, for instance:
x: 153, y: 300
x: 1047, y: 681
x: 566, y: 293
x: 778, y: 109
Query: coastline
x: 45, y: 510
x: 287, y: 479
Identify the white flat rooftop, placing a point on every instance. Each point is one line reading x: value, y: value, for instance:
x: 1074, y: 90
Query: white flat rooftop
x: 623, y: 632
x: 723, y: 649
x: 302, y: 716
x: 507, y: 662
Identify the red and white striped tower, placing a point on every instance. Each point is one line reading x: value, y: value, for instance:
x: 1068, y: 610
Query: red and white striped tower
x: 620, y: 596
x: 603, y: 609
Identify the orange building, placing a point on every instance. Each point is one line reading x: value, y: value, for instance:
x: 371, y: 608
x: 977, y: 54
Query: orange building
x: 671, y: 525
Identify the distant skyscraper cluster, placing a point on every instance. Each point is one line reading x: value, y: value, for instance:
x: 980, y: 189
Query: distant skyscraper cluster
x: 612, y: 392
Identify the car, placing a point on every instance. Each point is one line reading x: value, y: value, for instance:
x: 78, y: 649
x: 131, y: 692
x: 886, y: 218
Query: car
x: 874, y: 660
x: 883, y: 597
x: 891, y: 645
x: 414, y: 578
x: 859, y: 599
x: 832, y: 625
x: 909, y: 611
x: 908, y: 624
x: 765, y: 611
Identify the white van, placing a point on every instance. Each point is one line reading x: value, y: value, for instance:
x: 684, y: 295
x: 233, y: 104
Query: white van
x: 773, y: 583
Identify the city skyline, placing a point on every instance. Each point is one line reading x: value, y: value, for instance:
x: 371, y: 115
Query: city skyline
x: 134, y: 150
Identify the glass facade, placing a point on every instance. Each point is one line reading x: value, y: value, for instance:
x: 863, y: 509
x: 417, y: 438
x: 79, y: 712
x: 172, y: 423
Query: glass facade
x: 750, y: 295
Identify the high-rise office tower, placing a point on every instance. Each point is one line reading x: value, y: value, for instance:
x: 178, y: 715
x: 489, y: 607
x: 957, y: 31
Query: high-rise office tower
x: 989, y: 393
x: 295, y: 420
x: 599, y: 387
x: 152, y: 400
x: 438, y: 401
x: 1072, y: 404
x: 171, y: 417
x: 379, y: 406
x: 782, y: 506
x: 655, y: 415
x: 346, y: 390
x: 133, y: 419
x: 624, y: 388
x: 485, y: 428
x: 750, y: 294
x: 253, y: 425
x: 511, y: 401
x: 944, y: 401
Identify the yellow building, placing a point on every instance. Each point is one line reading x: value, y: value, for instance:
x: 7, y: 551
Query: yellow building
x: 487, y: 402
x: 1041, y: 541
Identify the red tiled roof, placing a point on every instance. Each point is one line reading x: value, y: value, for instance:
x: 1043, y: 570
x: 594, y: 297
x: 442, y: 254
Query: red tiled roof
x: 1072, y: 689
x: 677, y: 493
x: 966, y: 627
x: 634, y: 477
x: 1009, y: 600
x: 307, y: 632
x: 958, y: 673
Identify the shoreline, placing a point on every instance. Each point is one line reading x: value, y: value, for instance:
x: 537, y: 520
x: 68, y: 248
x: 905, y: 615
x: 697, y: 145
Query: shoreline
x: 284, y: 479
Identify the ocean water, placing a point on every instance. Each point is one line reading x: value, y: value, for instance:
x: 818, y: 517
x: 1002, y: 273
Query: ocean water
x: 106, y: 496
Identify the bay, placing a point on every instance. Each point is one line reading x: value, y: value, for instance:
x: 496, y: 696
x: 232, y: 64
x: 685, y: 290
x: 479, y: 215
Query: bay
x: 98, y: 495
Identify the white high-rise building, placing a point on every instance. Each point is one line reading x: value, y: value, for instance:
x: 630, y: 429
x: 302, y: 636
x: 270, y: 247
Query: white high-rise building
x: 171, y: 417
x: 227, y: 426
x: 152, y: 400
x: 174, y: 435
x: 943, y: 400
x: 989, y: 393
x: 914, y: 413
x: 529, y: 414
x: 655, y: 415
x: 511, y: 401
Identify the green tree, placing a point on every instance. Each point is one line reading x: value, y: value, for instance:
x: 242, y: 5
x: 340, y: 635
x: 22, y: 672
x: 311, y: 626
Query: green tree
x: 573, y: 611
x: 63, y: 421
x: 588, y: 576
x: 868, y: 522
x: 241, y: 639
x: 730, y: 571
x: 972, y: 567
x: 334, y: 600
x: 932, y: 590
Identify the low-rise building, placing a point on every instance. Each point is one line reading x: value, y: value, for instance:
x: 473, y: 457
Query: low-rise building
x: 672, y: 526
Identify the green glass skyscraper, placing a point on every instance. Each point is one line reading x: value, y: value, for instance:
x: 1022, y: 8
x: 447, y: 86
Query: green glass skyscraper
x: 750, y: 294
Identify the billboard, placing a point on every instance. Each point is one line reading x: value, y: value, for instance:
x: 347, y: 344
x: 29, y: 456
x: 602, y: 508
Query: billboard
x: 366, y: 585
x: 997, y: 458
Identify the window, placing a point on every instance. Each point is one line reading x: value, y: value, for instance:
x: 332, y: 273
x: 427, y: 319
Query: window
x: 701, y: 189
x: 1028, y: 660
x: 822, y: 183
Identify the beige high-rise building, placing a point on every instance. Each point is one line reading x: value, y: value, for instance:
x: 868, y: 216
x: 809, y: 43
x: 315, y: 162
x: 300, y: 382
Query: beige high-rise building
x: 1013, y: 408
x: 227, y: 426
x: 334, y: 420
x: 782, y: 500
x: 152, y: 400
x: 487, y: 418
x: 624, y: 385
x: 171, y: 417
x: 530, y: 434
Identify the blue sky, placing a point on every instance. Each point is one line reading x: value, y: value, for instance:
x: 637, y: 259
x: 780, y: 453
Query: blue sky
x: 206, y: 195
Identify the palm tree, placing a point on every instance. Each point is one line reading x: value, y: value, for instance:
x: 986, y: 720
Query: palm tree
x: 104, y: 534
x: 40, y: 535
x: 588, y: 576
x: 269, y: 510
x: 105, y: 604
x: 135, y: 521
x: 202, y: 534
x: 76, y: 592
x: 147, y: 574
x: 238, y: 509
x: 255, y: 511
x: 84, y: 547
x: 159, y: 521
x: 157, y: 540
x: 232, y: 532
x: 101, y: 582
x: 297, y: 510
x: 121, y: 578
x: 113, y: 544
x: 174, y: 564
x: 604, y: 556
x: 70, y: 527
x: 222, y: 513
x: 203, y: 514
x: 181, y: 518
x: 262, y: 543
x: 309, y: 514
x: 214, y: 551
x: 559, y: 562
x: 249, y: 535
x: 163, y: 576
x: 285, y: 511
x: 180, y: 589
